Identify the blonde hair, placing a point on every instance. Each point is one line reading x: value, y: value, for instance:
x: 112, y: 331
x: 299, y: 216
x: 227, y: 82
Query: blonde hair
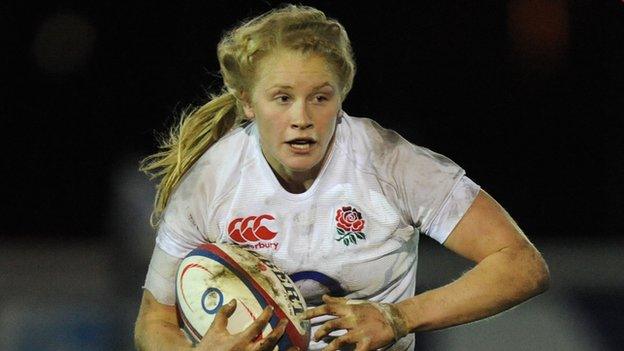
x: 294, y: 27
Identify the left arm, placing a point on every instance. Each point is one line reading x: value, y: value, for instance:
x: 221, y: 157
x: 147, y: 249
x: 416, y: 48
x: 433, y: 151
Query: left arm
x: 509, y: 271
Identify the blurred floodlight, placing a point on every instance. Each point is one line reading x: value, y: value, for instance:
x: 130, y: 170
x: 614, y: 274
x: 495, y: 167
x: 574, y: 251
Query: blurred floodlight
x: 539, y: 32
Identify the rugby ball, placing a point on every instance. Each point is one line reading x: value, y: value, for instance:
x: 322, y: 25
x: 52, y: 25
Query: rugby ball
x: 213, y: 274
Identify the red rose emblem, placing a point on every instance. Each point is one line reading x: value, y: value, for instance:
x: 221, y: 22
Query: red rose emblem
x: 349, y: 219
x: 349, y: 226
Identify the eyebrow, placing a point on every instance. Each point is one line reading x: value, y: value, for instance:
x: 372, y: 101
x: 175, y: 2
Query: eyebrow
x: 290, y: 87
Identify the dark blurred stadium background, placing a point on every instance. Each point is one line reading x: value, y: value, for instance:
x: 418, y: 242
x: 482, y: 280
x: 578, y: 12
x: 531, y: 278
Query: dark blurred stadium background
x: 527, y: 96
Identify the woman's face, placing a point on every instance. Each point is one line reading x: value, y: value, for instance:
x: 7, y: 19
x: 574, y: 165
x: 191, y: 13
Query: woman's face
x: 295, y: 102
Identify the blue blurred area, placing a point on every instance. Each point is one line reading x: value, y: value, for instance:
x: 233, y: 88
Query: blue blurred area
x: 67, y: 328
x: 605, y: 309
x: 93, y: 305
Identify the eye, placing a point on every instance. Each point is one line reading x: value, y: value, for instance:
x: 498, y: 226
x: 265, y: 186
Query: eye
x: 320, y: 98
x: 282, y: 98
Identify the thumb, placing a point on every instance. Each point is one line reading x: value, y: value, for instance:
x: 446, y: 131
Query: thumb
x: 224, y: 313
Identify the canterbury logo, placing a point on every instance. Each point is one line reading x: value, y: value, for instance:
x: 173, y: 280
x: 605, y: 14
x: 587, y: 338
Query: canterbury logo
x: 250, y: 229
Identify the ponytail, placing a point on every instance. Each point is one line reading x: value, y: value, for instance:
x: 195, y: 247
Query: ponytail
x: 300, y: 28
x: 198, y: 129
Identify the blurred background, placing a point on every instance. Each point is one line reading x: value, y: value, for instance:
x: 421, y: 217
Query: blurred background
x: 526, y: 95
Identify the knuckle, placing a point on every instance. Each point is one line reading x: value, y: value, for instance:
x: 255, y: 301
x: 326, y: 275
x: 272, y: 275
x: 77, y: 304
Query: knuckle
x: 253, y: 329
x: 320, y: 333
x: 323, y: 310
x: 270, y: 339
x: 322, y: 329
x: 338, y: 342
x: 266, y: 344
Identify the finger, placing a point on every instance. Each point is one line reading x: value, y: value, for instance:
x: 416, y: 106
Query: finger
x: 330, y: 299
x: 221, y: 319
x: 336, y: 306
x: 268, y: 343
x: 329, y: 326
x: 340, y: 341
x: 316, y: 311
x: 294, y: 348
x: 363, y: 345
x: 256, y: 327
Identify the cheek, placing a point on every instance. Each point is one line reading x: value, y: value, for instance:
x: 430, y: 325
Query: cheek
x: 269, y: 135
x: 269, y: 127
x: 329, y: 127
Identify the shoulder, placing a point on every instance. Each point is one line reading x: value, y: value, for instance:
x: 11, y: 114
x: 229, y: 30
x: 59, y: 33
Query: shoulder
x: 219, y: 168
x: 373, y: 147
x: 364, y: 141
x: 364, y: 129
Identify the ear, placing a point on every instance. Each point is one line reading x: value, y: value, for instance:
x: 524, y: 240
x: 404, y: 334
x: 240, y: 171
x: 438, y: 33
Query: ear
x: 247, y: 108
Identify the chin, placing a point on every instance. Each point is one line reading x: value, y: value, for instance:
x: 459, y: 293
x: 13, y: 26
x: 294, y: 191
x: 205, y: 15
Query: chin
x: 299, y: 168
x: 301, y: 165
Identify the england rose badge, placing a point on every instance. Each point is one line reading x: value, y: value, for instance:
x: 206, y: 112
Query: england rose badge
x: 349, y: 225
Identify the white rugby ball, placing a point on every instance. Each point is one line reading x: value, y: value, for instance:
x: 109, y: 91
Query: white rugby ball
x: 213, y: 274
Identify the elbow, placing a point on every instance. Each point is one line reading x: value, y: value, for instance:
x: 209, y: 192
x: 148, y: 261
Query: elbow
x: 532, y: 276
x: 138, y: 340
x: 543, y: 281
x: 539, y: 274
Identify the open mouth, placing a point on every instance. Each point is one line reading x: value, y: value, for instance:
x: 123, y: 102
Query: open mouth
x: 301, y: 143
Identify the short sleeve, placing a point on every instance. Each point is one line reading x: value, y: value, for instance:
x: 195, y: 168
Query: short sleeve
x: 453, y: 209
x: 161, y: 275
x: 429, y: 183
x: 182, y: 227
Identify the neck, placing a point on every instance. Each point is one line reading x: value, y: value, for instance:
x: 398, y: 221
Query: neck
x: 297, y: 183
x: 294, y: 181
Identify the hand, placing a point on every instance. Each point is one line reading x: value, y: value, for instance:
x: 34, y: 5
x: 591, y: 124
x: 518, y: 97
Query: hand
x: 217, y: 338
x: 369, y: 325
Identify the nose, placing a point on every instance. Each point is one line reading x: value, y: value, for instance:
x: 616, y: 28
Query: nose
x: 301, y: 118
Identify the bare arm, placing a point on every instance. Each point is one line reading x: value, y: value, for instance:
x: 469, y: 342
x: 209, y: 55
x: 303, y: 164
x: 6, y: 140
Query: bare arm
x: 509, y: 270
x: 157, y: 327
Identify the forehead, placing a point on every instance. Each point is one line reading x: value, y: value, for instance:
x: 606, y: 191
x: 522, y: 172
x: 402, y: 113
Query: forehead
x: 294, y: 69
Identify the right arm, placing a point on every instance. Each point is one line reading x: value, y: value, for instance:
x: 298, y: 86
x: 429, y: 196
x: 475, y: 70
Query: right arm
x: 157, y: 327
x: 157, y: 323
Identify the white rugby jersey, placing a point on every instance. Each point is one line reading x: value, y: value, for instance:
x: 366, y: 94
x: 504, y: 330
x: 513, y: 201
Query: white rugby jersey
x: 353, y: 233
